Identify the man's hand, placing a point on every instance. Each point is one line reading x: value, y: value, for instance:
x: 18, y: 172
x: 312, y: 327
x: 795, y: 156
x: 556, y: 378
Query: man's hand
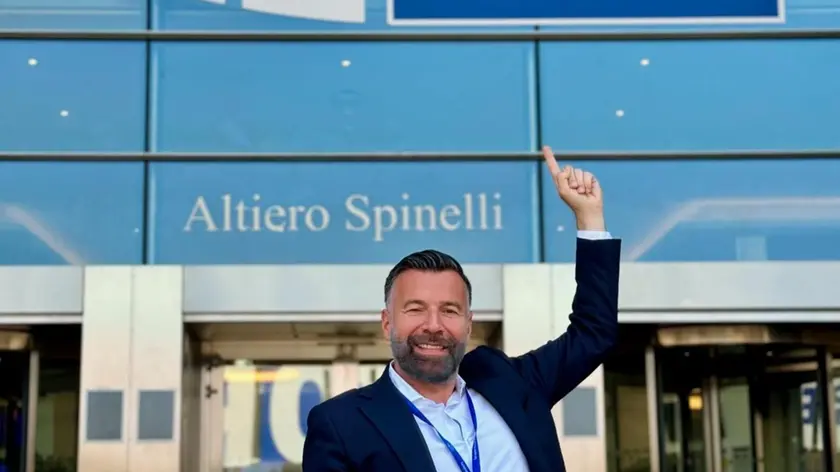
x: 581, y: 192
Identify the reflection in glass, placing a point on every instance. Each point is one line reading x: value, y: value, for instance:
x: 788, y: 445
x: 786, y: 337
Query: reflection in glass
x: 265, y: 411
x: 51, y: 212
x: 684, y: 220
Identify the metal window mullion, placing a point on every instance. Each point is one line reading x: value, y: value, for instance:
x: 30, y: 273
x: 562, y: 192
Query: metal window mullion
x: 424, y: 36
x: 525, y: 156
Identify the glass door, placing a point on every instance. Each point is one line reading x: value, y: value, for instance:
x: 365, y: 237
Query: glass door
x: 740, y: 409
x: 693, y: 437
x: 789, y: 413
x: 254, y: 414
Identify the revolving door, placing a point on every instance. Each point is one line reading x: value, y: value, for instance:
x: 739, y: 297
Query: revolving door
x: 745, y: 408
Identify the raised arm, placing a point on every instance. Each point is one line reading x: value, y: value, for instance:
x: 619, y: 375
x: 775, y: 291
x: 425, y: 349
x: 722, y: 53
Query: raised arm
x: 559, y: 366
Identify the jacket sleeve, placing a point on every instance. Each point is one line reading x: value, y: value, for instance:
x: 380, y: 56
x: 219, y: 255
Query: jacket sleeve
x: 323, y: 450
x: 559, y: 366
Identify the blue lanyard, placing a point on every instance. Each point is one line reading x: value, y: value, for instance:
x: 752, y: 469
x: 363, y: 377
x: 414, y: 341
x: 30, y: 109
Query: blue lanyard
x: 476, y: 461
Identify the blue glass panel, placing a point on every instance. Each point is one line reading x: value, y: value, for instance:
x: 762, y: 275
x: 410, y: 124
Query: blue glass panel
x: 710, y: 210
x: 310, y: 97
x: 243, y: 213
x: 71, y: 213
x: 73, y: 14
x: 72, y: 95
x: 268, y: 15
x: 691, y: 95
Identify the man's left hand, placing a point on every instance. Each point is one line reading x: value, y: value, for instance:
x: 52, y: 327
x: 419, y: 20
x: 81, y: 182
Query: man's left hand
x: 581, y: 192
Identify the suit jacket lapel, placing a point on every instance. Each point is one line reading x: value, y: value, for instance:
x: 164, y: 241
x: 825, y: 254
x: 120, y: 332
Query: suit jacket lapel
x: 388, y: 411
x: 511, y: 403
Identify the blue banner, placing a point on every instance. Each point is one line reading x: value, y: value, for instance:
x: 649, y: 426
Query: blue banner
x: 71, y: 213
x: 378, y: 14
x: 272, y: 213
x: 501, y: 12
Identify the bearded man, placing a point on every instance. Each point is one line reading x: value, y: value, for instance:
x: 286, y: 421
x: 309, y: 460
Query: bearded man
x: 438, y: 408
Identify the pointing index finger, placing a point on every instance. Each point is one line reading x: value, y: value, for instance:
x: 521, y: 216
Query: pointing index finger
x: 548, y: 155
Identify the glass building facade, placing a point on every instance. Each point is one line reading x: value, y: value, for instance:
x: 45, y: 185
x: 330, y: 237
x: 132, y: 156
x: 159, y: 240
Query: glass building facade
x: 110, y: 155
x: 113, y: 96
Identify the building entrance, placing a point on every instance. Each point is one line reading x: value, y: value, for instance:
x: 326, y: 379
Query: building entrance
x: 743, y: 408
x: 259, y: 381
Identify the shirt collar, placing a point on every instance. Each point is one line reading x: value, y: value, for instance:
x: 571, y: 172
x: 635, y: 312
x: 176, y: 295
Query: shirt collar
x: 413, y: 395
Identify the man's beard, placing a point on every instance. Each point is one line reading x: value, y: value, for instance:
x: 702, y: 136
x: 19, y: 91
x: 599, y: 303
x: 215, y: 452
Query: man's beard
x: 437, y: 369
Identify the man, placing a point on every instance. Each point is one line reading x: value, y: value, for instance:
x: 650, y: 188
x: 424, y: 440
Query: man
x: 422, y: 416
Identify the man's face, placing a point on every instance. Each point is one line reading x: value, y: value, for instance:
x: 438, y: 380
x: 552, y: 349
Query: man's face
x: 428, y: 323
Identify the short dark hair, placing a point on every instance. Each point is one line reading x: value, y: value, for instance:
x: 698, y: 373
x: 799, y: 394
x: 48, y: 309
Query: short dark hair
x: 427, y: 261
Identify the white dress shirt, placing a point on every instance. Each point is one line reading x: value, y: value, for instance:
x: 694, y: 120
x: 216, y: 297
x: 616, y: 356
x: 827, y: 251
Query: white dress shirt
x: 499, y: 450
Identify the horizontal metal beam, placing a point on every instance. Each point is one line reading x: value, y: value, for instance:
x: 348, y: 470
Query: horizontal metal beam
x: 422, y: 36
x: 421, y: 156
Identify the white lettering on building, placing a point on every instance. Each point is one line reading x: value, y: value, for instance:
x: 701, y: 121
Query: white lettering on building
x: 227, y: 214
x: 473, y: 212
x: 243, y: 216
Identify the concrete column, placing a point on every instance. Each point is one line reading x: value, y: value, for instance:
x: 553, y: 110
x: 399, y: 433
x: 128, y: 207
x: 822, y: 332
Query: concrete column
x: 105, y: 370
x: 537, y: 303
x: 580, y: 417
x: 527, y: 315
x: 157, y: 374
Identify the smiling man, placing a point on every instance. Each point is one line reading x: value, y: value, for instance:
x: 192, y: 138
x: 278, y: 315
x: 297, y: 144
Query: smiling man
x: 437, y: 408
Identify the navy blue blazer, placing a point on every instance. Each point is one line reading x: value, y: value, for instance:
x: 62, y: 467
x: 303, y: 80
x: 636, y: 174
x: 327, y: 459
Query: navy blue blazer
x: 371, y: 429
